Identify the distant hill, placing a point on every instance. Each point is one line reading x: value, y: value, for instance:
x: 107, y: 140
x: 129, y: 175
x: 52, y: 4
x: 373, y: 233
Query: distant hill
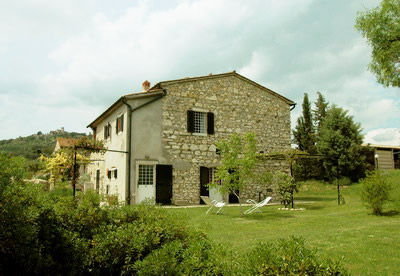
x: 31, y: 147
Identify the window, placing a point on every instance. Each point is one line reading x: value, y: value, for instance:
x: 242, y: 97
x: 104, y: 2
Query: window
x: 145, y: 175
x: 200, y: 122
x: 211, y: 176
x: 120, y: 124
x: 112, y: 173
x: 107, y: 131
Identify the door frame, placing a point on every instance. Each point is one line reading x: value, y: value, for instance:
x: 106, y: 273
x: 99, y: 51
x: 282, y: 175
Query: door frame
x: 148, y: 163
x: 170, y: 187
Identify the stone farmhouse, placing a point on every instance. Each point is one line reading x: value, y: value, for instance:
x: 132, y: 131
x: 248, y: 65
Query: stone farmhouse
x: 161, y: 141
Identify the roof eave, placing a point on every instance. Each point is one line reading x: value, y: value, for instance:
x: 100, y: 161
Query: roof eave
x: 119, y: 102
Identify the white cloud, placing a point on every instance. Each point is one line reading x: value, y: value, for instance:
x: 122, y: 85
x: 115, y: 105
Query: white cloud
x: 77, y: 57
x: 383, y: 136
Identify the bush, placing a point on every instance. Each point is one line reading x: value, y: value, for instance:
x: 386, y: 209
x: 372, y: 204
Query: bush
x: 375, y: 191
x: 138, y: 235
x: 46, y: 233
x: 288, y: 257
x: 31, y: 239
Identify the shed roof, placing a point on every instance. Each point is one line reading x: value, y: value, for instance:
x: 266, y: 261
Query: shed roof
x: 382, y: 146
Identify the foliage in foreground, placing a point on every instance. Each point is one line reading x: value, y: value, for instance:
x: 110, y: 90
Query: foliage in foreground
x: 288, y: 257
x: 46, y: 234
x: 376, y: 191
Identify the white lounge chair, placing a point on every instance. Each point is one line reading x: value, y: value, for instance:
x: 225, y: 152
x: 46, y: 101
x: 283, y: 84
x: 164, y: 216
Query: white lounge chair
x: 213, y: 203
x: 256, y: 206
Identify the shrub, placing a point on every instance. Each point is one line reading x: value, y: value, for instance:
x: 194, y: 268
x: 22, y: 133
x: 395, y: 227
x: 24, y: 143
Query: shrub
x: 31, y: 240
x: 136, y: 232
x: 193, y: 257
x: 375, y: 191
x: 288, y: 257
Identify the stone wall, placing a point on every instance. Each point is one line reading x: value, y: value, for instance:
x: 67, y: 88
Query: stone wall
x: 239, y: 106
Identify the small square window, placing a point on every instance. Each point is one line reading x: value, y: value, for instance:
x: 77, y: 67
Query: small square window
x: 145, y: 175
x: 200, y: 122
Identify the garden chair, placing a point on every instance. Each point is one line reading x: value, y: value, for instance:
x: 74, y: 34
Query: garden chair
x: 257, y: 205
x: 212, y: 204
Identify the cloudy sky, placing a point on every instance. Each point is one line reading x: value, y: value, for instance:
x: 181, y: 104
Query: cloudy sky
x: 64, y: 62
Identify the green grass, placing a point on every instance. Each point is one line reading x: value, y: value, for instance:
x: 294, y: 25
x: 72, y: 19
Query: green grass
x: 369, y: 244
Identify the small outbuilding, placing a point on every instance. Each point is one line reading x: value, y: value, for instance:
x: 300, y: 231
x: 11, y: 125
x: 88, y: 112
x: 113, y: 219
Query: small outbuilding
x: 386, y: 157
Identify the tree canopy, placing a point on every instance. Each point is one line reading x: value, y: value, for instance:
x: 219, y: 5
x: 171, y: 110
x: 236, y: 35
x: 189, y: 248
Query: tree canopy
x: 381, y: 27
x: 340, y: 142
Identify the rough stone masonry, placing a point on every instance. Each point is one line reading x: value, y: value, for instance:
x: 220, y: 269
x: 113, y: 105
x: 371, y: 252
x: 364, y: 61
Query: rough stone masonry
x: 239, y: 106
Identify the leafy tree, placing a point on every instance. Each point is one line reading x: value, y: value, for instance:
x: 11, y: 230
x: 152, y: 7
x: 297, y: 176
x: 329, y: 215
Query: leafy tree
x: 319, y: 112
x: 340, y: 142
x: 304, y: 135
x: 60, y: 165
x: 381, y: 27
x: 12, y: 168
x: 286, y: 187
x: 238, y: 163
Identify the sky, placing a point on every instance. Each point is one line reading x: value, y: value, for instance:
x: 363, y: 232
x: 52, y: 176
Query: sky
x: 62, y: 63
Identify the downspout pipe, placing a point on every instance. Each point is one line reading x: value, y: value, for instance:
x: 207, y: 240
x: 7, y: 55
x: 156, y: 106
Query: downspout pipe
x: 128, y: 150
x: 292, y: 106
x: 129, y: 137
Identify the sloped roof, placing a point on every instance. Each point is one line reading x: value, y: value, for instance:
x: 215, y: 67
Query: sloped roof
x: 158, y: 89
x: 211, y: 76
x: 119, y: 102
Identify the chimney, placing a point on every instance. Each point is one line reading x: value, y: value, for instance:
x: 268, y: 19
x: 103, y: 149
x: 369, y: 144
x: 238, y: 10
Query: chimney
x: 145, y: 86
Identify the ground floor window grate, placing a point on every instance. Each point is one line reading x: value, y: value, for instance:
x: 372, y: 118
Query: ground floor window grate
x: 146, y: 175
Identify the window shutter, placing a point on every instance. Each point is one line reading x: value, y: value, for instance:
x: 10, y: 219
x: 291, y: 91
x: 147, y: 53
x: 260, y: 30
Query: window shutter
x: 190, y: 121
x: 117, y: 126
x: 105, y: 132
x: 122, y: 122
x: 210, y: 123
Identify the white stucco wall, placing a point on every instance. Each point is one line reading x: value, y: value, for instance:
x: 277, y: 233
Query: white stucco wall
x: 146, y: 138
x: 112, y: 160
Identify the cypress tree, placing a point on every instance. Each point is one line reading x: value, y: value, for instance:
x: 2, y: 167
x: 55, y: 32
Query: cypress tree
x: 304, y: 133
x: 319, y: 112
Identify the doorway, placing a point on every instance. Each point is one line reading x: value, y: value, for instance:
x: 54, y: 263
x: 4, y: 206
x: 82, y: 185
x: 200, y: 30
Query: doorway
x: 204, y: 179
x: 164, y: 184
x: 97, y: 181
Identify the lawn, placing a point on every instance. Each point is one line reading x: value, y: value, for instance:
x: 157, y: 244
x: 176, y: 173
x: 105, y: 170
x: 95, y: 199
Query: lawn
x: 369, y: 244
